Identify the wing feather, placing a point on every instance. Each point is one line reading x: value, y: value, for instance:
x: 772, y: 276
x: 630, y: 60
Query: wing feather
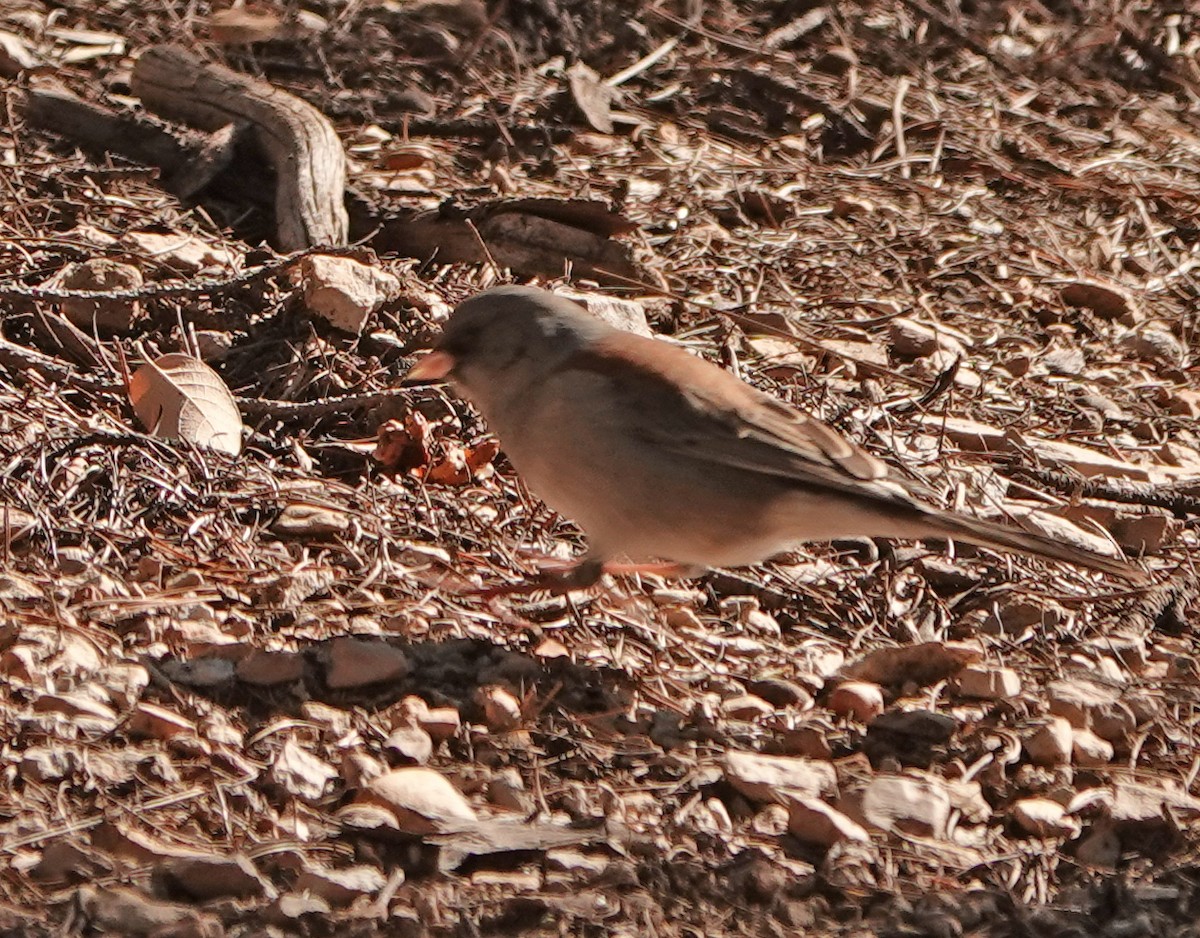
x: 692, y: 408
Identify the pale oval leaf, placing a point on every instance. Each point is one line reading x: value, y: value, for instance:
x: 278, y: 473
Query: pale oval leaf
x: 178, y: 397
x: 422, y: 800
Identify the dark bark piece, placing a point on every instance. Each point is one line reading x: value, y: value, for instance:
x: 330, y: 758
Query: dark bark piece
x: 295, y: 138
x: 532, y: 237
x: 590, y: 215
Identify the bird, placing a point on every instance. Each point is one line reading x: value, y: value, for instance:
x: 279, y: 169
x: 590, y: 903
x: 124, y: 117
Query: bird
x: 667, y: 462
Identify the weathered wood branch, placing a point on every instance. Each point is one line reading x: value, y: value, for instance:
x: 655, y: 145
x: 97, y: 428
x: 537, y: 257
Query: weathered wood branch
x: 298, y: 141
x: 189, y: 160
x: 532, y: 237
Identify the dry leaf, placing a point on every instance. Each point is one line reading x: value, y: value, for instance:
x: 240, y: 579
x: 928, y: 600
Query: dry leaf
x: 409, y: 156
x: 240, y: 26
x: 179, y: 251
x: 422, y: 800
x: 452, y: 468
x: 300, y: 773
x: 178, y: 397
x: 404, y: 445
x: 101, y: 274
x: 15, y: 55
x: 917, y: 804
x: 761, y: 777
x: 812, y: 821
x: 591, y: 96
x: 480, y: 456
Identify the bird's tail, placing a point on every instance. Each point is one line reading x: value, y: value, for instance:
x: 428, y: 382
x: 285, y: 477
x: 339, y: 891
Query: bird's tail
x: 1008, y: 537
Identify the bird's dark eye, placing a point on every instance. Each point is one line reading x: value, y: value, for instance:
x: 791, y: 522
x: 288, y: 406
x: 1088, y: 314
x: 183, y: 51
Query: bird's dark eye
x: 461, y: 344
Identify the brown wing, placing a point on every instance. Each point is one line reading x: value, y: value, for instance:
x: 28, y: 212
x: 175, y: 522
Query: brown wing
x: 691, y: 407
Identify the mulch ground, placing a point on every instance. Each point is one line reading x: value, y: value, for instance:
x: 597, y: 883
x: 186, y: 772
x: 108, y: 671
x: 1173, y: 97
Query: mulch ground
x: 964, y: 234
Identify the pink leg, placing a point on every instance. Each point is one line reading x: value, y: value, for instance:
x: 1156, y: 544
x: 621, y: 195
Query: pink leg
x: 662, y: 568
x: 582, y: 575
x: 557, y: 583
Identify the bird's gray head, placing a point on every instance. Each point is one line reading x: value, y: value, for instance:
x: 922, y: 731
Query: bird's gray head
x: 498, y: 341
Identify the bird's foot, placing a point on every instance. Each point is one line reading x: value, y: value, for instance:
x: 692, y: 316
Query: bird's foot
x: 663, y: 568
x: 580, y: 576
x: 556, y: 582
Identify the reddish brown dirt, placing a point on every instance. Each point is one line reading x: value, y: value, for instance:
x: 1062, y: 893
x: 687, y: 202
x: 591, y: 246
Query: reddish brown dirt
x: 1021, y: 176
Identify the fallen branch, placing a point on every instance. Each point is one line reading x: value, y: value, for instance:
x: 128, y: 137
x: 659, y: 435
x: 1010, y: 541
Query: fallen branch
x: 19, y: 358
x: 532, y: 237
x: 189, y: 161
x: 260, y: 407
x: 297, y: 139
x: 1181, y: 499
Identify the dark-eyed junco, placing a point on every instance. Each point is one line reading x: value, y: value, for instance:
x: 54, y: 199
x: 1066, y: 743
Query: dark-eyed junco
x: 660, y: 455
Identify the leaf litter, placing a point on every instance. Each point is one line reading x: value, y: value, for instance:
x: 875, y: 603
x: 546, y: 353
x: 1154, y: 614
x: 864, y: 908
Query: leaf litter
x: 177, y: 397
x: 963, y: 236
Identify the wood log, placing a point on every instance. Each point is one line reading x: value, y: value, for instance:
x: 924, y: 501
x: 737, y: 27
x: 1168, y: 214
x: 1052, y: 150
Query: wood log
x: 293, y: 136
